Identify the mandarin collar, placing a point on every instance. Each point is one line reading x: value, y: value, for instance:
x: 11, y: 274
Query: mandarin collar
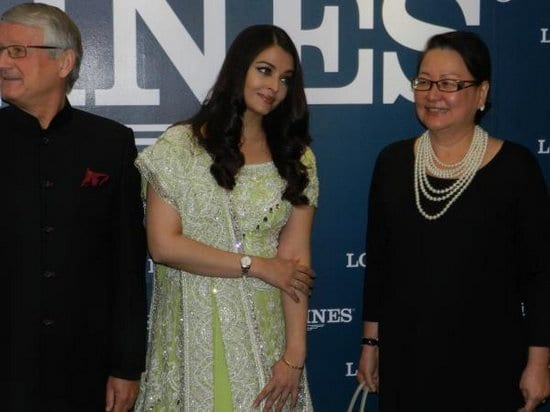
x: 61, y: 118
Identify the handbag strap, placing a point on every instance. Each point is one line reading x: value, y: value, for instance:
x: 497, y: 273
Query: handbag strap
x: 360, y: 387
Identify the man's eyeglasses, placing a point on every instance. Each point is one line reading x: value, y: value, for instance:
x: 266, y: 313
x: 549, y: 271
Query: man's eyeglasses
x: 18, y: 51
x: 444, y: 85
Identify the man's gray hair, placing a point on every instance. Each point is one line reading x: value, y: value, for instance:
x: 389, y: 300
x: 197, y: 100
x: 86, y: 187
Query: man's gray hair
x: 59, y: 30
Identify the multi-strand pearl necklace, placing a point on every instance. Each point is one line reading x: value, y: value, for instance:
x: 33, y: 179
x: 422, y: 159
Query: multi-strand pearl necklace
x: 426, y: 162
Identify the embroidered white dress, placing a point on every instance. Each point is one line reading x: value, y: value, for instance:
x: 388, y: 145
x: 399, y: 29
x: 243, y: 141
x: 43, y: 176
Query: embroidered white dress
x: 186, y: 307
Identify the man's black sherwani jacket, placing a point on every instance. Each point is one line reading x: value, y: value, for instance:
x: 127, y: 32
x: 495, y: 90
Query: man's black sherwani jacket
x: 72, y: 250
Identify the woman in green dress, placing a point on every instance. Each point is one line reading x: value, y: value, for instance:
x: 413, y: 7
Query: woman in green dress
x: 231, y: 195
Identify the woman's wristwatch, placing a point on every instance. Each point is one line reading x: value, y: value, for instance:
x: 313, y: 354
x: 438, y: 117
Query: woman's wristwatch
x: 246, y: 262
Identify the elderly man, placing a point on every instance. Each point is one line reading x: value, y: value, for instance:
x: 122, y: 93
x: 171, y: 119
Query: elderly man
x: 71, y: 237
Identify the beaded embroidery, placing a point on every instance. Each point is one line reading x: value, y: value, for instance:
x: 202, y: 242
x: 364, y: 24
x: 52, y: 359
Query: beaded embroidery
x: 179, y: 373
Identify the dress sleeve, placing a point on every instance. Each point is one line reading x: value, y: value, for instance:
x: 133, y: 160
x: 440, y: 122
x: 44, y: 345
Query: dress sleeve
x: 161, y: 163
x: 312, y: 189
x: 376, y: 246
x: 534, y: 242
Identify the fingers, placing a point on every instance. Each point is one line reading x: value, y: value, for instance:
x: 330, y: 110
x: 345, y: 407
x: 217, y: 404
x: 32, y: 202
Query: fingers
x: 291, y: 277
x: 279, y: 404
x: 281, y: 390
x: 368, y: 368
x: 300, y: 287
x: 305, y: 274
x: 527, y: 408
x: 119, y: 408
x: 269, y: 394
x: 294, y: 398
x: 109, y: 400
x: 122, y: 405
x: 372, y: 382
x: 277, y: 398
x: 298, y: 284
x: 530, y: 405
x: 305, y: 285
x: 292, y: 292
x: 303, y: 279
x: 532, y: 400
x: 120, y: 394
x: 261, y: 396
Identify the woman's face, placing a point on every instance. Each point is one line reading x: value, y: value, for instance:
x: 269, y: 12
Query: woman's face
x: 267, y: 80
x: 442, y: 111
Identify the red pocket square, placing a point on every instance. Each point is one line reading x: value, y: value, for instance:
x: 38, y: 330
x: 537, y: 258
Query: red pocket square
x: 94, y: 179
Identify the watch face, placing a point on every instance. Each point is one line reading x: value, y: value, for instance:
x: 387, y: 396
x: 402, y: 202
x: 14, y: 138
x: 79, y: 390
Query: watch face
x: 246, y: 262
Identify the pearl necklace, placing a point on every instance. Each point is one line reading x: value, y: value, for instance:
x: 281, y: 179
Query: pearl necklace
x: 463, y: 171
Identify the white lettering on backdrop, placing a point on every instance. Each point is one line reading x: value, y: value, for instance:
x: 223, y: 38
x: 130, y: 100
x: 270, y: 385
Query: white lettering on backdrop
x: 198, y: 66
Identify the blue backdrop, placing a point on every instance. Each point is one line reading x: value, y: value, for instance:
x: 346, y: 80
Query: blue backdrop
x: 148, y: 63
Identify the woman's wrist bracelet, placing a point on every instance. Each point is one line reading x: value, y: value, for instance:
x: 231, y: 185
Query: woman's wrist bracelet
x: 369, y: 341
x: 290, y: 365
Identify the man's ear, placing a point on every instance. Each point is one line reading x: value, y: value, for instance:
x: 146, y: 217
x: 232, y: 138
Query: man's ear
x: 66, y: 62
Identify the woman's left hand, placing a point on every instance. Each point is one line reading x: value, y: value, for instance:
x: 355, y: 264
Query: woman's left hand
x: 284, y: 382
x: 534, y: 385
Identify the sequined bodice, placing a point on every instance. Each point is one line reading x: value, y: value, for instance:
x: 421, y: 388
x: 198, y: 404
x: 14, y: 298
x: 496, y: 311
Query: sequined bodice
x: 256, y: 200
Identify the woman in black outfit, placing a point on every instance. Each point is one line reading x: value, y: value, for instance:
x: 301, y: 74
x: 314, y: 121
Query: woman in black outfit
x: 457, y: 290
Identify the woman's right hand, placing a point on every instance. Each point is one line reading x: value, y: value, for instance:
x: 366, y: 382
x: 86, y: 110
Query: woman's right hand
x: 282, y: 386
x: 368, y: 367
x: 288, y: 275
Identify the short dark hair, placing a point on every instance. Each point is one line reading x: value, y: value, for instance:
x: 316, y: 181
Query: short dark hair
x: 471, y: 48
